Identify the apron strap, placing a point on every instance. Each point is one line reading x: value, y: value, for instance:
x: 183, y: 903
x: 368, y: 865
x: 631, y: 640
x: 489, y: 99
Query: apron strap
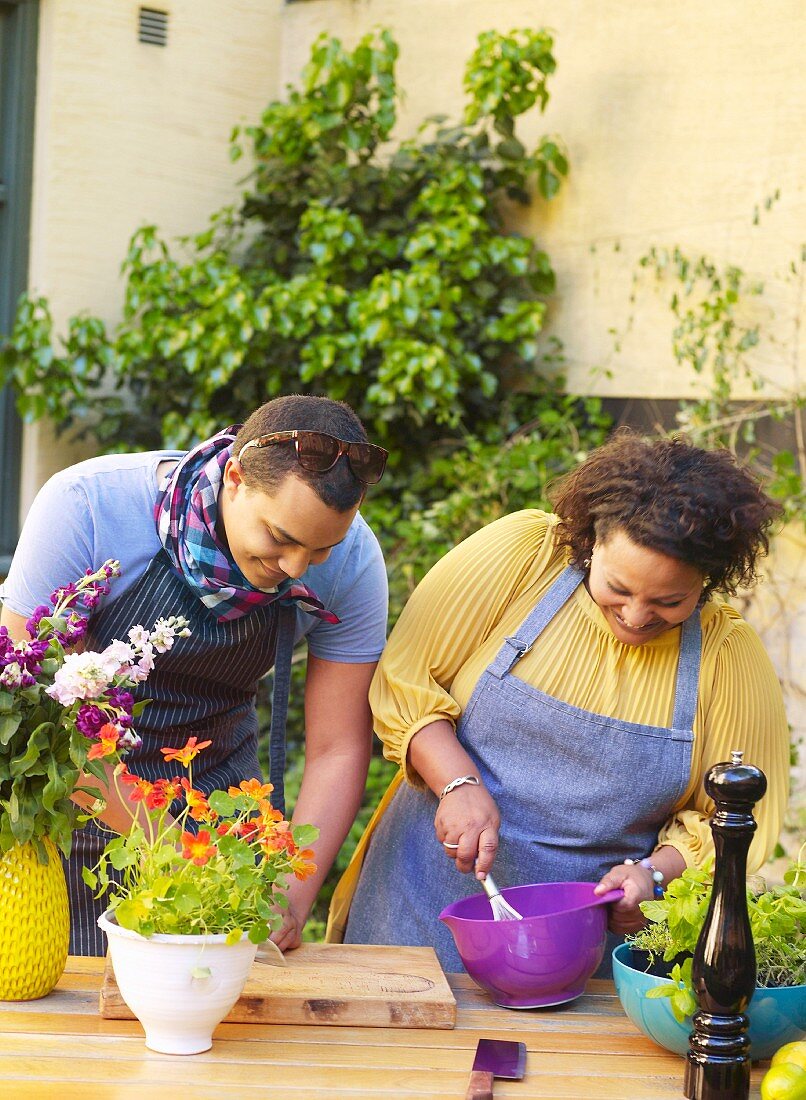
x: 536, y: 621
x: 688, y: 663
x: 688, y: 673
x: 286, y: 623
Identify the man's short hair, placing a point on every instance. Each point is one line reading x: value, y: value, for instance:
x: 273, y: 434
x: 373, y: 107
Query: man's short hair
x: 266, y: 468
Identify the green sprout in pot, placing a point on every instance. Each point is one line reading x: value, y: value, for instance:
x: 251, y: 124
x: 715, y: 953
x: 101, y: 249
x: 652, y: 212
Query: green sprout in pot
x: 777, y: 922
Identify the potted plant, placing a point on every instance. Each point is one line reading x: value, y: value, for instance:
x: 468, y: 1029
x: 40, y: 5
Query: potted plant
x: 61, y: 713
x: 652, y: 970
x: 194, y: 896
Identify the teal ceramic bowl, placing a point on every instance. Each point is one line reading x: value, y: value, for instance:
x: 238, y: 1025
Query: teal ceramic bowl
x: 777, y: 1016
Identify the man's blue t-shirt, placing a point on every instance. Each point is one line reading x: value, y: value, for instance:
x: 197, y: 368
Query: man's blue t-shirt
x: 104, y: 508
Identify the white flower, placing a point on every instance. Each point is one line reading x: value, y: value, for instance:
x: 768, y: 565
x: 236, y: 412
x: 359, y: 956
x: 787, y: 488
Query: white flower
x: 143, y: 667
x: 129, y: 740
x: 121, y: 653
x: 138, y: 636
x: 11, y: 676
x: 166, y: 630
x: 162, y: 636
x: 82, y: 676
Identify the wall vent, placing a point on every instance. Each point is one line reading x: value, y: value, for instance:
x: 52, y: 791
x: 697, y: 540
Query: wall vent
x: 153, y: 27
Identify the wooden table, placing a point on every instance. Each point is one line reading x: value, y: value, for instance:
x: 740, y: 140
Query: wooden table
x: 60, y: 1047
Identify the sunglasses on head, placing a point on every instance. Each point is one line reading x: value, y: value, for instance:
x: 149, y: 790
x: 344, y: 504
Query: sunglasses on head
x: 318, y: 452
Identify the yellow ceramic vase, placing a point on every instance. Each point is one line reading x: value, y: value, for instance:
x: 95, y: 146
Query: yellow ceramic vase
x: 34, y: 923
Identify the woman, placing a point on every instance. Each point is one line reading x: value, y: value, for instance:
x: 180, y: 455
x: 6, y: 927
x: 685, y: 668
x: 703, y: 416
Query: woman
x: 557, y: 688
x: 223, y: 535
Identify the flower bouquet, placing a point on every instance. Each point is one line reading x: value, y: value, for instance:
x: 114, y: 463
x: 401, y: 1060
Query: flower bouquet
x: 61, y: 715
x: 191, y: 896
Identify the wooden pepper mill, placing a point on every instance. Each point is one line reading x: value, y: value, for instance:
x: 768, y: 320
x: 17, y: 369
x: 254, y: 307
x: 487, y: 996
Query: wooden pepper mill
x: 724, y: 965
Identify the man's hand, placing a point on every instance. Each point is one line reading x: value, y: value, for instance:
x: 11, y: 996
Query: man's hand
x: 289, y: 934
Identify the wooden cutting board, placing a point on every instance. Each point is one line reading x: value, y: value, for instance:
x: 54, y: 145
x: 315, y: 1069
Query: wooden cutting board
x: 324, y: 983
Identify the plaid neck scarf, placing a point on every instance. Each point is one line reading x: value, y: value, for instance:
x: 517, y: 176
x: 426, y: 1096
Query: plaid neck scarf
x: 186, y: 513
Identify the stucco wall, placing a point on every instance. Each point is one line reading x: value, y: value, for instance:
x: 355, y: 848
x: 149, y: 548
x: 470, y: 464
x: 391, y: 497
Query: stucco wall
x: 681, y: 119
x: 128, y: 133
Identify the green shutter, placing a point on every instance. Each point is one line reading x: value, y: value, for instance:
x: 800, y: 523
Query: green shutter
x: 18, y: 37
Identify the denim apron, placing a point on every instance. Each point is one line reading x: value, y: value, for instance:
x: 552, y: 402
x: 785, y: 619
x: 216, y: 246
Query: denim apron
x: 204, y: 687
x: 577, y: 792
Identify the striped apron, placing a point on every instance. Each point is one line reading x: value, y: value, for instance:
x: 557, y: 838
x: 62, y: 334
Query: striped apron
x: 204, y: 686
x: 577, y: 793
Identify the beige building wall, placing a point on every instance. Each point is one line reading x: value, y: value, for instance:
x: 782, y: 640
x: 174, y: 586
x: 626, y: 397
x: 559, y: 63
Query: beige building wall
x: 680, y: 119
x: 128, y: 134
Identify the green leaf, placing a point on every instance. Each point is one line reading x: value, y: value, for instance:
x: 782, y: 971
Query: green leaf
x: 9, y: 724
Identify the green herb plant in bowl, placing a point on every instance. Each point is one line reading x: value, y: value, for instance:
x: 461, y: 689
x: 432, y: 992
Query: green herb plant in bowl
x: 652, y: 970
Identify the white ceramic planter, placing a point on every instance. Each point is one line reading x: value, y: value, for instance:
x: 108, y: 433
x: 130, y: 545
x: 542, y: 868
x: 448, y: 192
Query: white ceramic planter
x: 178, y: 987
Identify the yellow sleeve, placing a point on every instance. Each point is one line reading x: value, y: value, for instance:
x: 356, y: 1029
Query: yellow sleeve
x: 449, y: 615
x: 744, y: 710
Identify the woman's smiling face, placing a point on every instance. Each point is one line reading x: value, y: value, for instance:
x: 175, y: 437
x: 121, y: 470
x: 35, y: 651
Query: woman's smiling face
x: 642, y: 593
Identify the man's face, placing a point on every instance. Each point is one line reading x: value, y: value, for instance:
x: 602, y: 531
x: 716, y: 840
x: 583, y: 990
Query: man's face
x: 275, y: 536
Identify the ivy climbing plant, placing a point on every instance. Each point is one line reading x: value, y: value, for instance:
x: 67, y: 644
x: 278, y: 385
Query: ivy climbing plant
x: 374, y: 271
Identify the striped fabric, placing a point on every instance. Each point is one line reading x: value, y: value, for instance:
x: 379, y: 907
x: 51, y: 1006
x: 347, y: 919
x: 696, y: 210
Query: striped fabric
x: 186, y: 513
x: 204, y: 686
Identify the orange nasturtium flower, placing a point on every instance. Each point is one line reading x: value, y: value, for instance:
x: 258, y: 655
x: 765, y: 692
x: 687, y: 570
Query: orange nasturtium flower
x: 197, y: 803
x: 141, y: 788
x: 268, y: 814
x: 198, y: 847
x: 252, y: 787
x: 302, y: 864
x: 107, y: 743
x: 188, y: 752
x: 278, y: 838
x: 158, y: 797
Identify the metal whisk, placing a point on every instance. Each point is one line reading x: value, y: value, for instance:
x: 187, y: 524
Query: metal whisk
x: 501, y: 908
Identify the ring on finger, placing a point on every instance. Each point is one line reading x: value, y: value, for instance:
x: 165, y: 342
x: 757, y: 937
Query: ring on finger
x: 445, y: 844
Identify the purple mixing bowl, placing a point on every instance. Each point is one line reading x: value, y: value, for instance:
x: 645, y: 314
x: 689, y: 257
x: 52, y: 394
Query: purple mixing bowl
x: 544, y: 959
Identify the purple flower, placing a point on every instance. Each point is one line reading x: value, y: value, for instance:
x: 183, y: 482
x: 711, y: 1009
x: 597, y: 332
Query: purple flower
x: 76, y: 628
x: 32, y: 626
x: 120, y: 698
x: 59, y: 593
x: 29, y: 655
x: 7, y: 653
x: 89, y: 720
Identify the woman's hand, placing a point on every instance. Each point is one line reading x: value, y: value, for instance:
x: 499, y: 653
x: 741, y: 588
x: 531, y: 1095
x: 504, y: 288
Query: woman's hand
x: 637, y: 883
x: 466, y: 824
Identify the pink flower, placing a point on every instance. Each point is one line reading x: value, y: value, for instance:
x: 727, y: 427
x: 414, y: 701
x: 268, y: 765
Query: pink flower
x: 82, y: 676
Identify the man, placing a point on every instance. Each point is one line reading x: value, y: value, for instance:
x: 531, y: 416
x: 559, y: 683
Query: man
x: 252, y: 529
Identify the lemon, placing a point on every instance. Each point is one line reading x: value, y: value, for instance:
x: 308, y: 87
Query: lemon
x: 784, y: 1081
x: 35, y: 918
x: 792, y: 1052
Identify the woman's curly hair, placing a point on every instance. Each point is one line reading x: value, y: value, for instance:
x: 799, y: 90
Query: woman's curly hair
x: 697, y: 506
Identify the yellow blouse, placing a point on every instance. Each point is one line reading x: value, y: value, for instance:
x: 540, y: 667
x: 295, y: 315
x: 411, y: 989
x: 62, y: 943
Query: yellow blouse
x: 480, y: 592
